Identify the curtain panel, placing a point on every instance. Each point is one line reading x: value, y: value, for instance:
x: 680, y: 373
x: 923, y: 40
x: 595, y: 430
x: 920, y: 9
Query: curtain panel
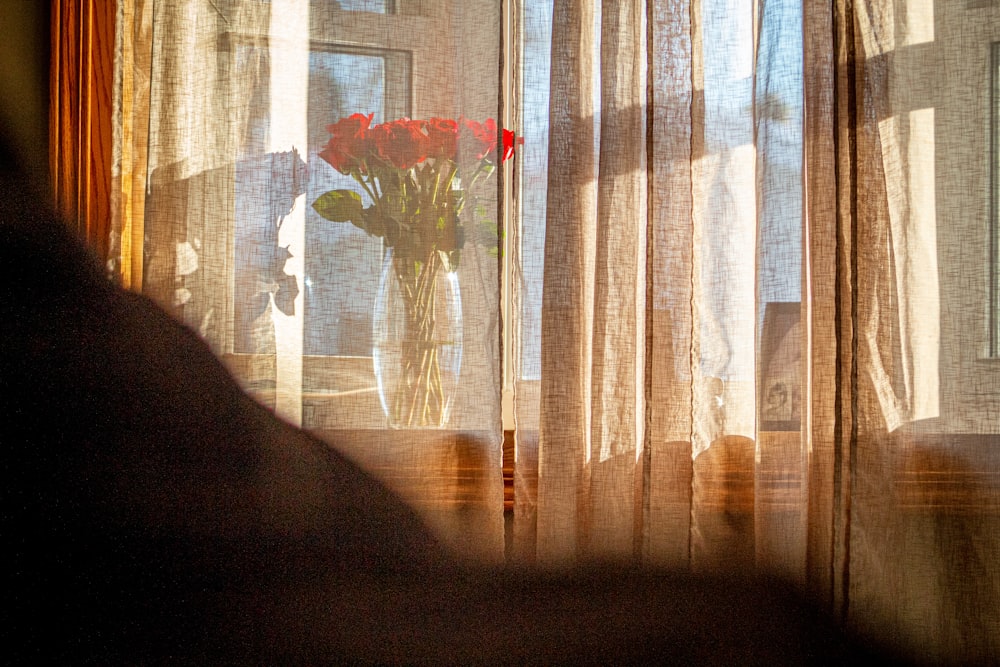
x: 223, y: 109
x: 903, y: 431
x: 755, y: 275
x: 674, y: 151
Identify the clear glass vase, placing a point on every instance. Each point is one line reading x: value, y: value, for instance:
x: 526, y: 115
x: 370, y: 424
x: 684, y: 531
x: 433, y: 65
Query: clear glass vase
x: 417, y: 340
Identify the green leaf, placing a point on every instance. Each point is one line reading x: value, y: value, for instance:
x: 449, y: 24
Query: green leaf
x: 339, y: 206
x: 372, y: 222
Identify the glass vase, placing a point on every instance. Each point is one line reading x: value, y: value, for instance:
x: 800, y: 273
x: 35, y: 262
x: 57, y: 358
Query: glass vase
x: 417, y: 340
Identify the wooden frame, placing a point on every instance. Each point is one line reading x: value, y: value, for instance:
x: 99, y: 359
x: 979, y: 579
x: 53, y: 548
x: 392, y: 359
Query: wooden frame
x: 994, y: 199
x: 80, y: 138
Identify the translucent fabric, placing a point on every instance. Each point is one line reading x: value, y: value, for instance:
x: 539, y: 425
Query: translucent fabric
x: 757, y: 279
x: 645, y: 295
x: 754, y: 256
x: 224, y: 107
x: 904, y: 381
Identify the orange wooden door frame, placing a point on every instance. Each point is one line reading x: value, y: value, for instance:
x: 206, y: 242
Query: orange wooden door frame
x: 80, y: 139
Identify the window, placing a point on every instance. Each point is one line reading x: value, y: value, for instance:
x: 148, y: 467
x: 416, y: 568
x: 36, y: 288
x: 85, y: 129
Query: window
x: 373, y: 37
x: 225, y: 109
x: 230, y: 239
x: 965, y: 123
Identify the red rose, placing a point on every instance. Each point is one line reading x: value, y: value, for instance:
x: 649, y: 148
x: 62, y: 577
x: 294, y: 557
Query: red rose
x: 442, y: 138
x: 484, y: 136
x: 348, y: 144
x: 508, y: 144
x: 486, y: 133
x: 402, y: 143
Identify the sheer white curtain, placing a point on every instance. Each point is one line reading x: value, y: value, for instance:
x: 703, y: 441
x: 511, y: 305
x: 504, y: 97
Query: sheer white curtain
x: 648, y: 274
x: 903, y: 446
x: 223, y: 108
x: 757, y: 324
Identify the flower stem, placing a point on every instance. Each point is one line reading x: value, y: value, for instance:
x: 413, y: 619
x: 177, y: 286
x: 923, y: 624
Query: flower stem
x: 419, y: 399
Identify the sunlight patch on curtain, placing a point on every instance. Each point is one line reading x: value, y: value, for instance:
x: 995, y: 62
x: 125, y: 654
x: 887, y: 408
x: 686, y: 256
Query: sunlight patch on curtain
x: 289, y: 60
x: 908, y: 152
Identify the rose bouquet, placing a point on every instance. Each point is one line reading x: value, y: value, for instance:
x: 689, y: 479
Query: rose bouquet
x: 418, y: 176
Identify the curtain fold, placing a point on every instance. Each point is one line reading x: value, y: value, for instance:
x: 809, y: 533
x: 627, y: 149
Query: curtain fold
x: 647, y: 286
x: 913, y: 528
x: 592, y: 410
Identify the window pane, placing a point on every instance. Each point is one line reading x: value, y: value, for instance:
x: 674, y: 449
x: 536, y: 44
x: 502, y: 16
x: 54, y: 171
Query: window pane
x: 779, y: 177
x: 341, y: 267
x: 534, y: 178
x: 343, y: 262
x: 376, y: 6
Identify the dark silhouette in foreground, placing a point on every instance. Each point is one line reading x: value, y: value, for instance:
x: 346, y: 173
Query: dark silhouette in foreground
x: 154, y: 513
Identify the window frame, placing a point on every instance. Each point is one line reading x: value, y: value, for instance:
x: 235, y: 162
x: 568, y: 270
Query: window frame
x: 994, y: 199
x: 324, y: 410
